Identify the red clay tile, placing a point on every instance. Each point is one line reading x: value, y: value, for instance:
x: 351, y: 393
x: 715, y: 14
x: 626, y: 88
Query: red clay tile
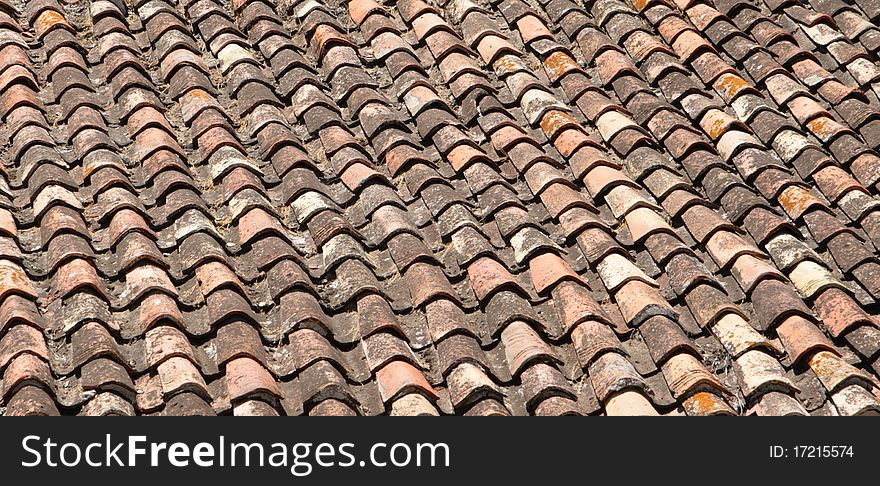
x: 74, y: 275
x: 835, y: 373
x: 48, y: 20
x: 522, y: 345
x: 725, y: 247
x: 145, y: 278
x: 554, y: 123
x: 427, y: 24
x: 561, y: 197
x: 257, y: 222
x: 644, y: 222
x: 26, y: 369
x: 575, y: 304
x: 629, y: 402
x: 834, y: 182
x: 31, y: 401
x: 705, y: 404
x: 360, y: 9
x: 155, y: 308
x: 749, y: 270
x: 611, y: 373
x: 22, y: 339
x: 591, y: 339
x: 93, y: 340
x: 797, y: 200
x: 802, y: 338
x: 491, y: 47
x: 179, y: 374
x: 839, y: 313
x: 399, y: 377
x: 469, y: 383
x: 14, y: 280
x: 532, y: 28
x: 685, y: 373
x: 246, y: 377
x: 665, y: 338
x: 548, y: 269
x: 331, y: 408
x: 213, y: 275
x: 486, y: 277
x: 427, y: 282
x: 164, y: 342
x: 639, y: 301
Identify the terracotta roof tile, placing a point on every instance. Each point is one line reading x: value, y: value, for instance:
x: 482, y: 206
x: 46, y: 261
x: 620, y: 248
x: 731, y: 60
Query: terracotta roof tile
x: 397, y: 378
x: 548, y: 269
x: 247, y: 377
x: 685, y: 374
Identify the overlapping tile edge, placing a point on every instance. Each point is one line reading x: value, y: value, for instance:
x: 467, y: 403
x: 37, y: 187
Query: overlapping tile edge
x: 495, y: 208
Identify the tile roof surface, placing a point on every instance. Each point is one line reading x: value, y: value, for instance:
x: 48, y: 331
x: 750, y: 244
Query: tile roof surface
x: 503, y: 207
